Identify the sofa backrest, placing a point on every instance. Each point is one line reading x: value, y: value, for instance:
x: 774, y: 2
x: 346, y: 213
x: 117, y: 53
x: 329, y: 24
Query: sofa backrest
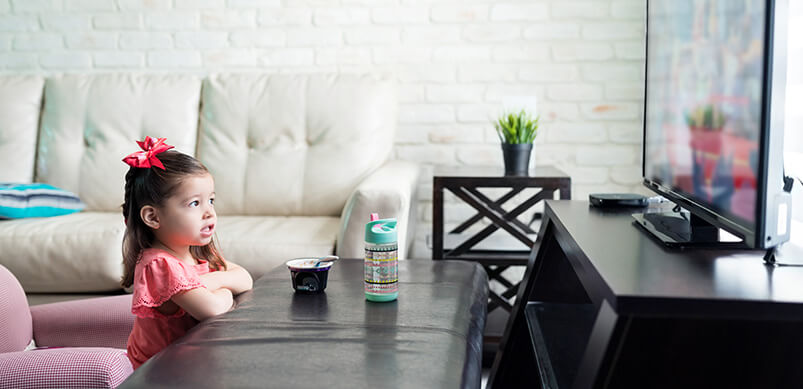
x: 294, y: 144
x: 277, y: 145
x: 20, y: 103
x: 90, y: 122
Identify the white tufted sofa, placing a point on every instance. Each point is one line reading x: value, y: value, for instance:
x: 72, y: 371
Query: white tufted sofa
x: 299, y: 161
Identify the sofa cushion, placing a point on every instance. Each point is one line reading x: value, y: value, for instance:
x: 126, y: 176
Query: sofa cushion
x: 285, y: 145
x: 48, y: 256
x: 90, y: 122
x: 20, y: 103
x: 260, y: 243
x: 36, y: 200
x: 87, y: 322
x: 81, y: 252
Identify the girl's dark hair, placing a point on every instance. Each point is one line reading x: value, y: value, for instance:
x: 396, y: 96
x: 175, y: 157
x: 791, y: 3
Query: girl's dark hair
x: 152, y: 186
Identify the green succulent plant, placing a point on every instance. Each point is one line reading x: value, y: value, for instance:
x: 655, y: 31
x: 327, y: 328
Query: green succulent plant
x: 517, y: 128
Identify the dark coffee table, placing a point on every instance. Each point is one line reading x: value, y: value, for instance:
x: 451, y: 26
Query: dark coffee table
x: 431, y: 337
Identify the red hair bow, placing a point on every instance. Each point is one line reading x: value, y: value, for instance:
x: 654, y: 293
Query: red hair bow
x: 147, y: 157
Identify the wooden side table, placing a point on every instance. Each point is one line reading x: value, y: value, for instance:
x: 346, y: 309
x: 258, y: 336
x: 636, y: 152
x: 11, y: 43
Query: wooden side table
x: 465, y: 183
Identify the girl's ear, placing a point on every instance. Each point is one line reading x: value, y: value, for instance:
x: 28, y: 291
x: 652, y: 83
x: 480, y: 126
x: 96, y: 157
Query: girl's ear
x: 149, y: 216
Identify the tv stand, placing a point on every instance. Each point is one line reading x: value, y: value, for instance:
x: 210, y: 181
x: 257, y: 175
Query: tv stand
x: 683, y: 229
x: 602, y: 305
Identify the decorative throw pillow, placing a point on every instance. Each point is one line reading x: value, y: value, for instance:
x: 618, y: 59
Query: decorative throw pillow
x: 36, y: 200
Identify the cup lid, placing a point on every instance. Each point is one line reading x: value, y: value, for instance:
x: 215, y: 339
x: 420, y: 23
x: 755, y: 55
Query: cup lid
x: 381, y: 231
x: 307, y: 264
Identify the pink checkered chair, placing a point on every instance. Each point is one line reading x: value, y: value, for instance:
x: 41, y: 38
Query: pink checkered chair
x: 79, y: 344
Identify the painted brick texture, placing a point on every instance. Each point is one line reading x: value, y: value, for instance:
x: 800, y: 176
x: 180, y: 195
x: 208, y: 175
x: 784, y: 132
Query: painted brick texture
x: 456, y: 62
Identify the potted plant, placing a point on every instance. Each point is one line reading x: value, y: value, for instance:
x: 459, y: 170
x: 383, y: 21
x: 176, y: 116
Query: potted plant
x: 517, y: 131
x: 706, y: 118
x: 706, y: 123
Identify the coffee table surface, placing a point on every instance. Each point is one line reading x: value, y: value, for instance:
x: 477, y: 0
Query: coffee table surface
x: 431, y: 337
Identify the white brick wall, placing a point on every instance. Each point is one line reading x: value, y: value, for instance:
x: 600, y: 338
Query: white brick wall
x: 794, y: 92
x: 456, y: 61
x: 793, y: 138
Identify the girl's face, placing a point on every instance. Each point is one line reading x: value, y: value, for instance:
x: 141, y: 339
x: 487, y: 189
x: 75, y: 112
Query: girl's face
x: 188, y: 217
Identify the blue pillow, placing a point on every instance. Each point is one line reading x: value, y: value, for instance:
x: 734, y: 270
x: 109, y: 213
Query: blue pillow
x: 36, y: 200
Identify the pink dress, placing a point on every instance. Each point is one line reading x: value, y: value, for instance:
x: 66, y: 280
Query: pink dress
x: 157, y: 277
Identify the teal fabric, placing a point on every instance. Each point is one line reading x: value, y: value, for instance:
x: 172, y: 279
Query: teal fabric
x: 36, y: 200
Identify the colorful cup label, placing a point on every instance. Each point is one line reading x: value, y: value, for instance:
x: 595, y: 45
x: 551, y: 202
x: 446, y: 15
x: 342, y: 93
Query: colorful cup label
x: 381, y: 272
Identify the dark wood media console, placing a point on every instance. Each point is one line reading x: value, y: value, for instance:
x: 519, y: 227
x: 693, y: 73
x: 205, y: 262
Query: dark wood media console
x: 603, y: 305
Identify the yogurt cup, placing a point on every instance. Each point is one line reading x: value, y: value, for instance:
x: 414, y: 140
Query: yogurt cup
x: 306, y: 277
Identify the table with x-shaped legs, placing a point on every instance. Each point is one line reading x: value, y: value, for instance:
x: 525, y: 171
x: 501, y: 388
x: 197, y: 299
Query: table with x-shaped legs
x: 465, y: 184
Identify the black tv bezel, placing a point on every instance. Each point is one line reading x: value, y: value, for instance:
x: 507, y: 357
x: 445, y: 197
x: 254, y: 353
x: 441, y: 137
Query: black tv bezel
x: 752, y: 235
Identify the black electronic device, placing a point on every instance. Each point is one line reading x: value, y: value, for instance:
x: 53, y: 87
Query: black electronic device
x: 617, y: 200
x: 714, y: 123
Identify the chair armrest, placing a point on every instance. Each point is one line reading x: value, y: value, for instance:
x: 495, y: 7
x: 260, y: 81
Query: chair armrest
x: 389, y: 191
x: 77, y: 367
x: 94, y: 322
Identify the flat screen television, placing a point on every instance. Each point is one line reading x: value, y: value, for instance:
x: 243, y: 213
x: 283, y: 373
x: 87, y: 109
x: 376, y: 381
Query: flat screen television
x: 713, y: 120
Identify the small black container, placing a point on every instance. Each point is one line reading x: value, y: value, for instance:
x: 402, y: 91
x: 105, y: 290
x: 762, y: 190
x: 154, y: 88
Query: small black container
x: 307, y: 279
x: 517, y: 158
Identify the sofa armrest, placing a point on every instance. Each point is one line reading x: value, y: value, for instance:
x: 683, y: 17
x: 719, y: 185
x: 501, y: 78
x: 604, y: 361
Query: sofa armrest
x: 72, y: 367
x: 94, y: 322
x: 389, y: 191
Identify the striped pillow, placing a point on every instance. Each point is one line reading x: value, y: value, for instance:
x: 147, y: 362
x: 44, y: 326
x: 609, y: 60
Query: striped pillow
x: 36, y: 200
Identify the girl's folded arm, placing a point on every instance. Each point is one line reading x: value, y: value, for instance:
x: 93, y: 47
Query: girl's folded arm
x: 201, y: 303
x: 236, y: 279
x: 240, y: 279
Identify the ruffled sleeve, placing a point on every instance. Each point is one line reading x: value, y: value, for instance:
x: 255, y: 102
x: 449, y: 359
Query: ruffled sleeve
x: 159, y: 279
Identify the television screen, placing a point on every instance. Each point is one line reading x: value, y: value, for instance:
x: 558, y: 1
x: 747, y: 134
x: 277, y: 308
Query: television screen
x: 704, y: 98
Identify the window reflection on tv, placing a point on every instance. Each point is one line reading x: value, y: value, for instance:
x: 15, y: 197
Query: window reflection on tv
x: 704, y: 96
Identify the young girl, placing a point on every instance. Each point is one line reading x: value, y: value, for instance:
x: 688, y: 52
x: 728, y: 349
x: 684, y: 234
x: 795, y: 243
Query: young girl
x: 169, y: 256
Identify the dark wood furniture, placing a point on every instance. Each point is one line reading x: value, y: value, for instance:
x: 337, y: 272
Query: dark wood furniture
x: 496, y: 255
x: 431, y: 337
x: 603, y: 305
